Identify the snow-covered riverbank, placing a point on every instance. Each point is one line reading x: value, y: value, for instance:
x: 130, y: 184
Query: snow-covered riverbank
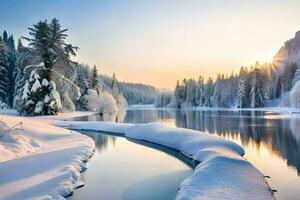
x: 41, y: 161
x: 222, y: 173
x: 44, y: 161
x: 288, y: 110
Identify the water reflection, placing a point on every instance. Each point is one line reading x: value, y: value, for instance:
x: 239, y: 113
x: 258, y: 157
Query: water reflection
x: 122, y: 169
x: 250, y: 128
x: 269, y: 139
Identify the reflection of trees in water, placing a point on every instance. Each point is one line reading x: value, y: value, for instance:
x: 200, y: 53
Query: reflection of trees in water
x: 145, y: 116
x: 102, y: 141
x: 112, y: 117
x: 282, y: 136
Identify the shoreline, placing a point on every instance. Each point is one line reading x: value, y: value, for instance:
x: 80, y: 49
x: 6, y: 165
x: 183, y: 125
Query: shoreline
x: 207, y: 156
x: 45, y: 162
x: 217, y: 152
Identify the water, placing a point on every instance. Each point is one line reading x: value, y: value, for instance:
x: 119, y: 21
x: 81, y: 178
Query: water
x: 131, y: 170
x: 271, y: 140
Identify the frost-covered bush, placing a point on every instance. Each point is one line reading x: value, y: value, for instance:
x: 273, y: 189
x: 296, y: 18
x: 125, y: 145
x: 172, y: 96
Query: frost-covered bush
x: 295, y: 95
x: 103, y: 103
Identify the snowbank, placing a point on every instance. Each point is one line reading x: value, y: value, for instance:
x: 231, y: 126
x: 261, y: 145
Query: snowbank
x: 41, y: 161
x: 222, y: 173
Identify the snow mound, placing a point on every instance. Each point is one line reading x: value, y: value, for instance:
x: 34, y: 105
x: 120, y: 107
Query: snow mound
x: 49, y: 161
x: 222, y: 172
x: 13, y: 144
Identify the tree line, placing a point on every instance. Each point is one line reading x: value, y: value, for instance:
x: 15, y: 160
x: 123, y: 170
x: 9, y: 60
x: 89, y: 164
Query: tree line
x: 252, y: 87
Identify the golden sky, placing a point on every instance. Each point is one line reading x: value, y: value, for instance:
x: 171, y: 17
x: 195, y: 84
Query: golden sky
x: 157, y: 42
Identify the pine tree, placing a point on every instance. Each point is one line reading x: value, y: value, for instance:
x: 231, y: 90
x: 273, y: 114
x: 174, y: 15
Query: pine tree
x: 209, y: 91
x: 95, y: 77
x: 243, y: 89
x: 180, y: 93
x: 200, y: 92
x: 12, y: 59
x: 5, y: 37
x: 190, y: 92
x: 258, y: 92
x: 48, y: 47
x: 3, y: 73
x: 114, y: 86
x: 217, y: 95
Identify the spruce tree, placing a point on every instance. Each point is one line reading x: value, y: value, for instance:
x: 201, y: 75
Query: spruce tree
x: 4, y: 80
x: 12, y: 59
x: 258, y: 92
x: 48, y: 47
x: 209, y: 90
x: 95, y: 77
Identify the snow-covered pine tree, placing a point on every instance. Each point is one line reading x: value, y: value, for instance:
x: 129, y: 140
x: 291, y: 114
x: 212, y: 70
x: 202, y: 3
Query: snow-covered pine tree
x: 243, y: 89
x: 242, y: 93
x: 258, y: 92
x: 4, y: 80
x: 82, y: 79
x: 114, y: 86
x: 115, y: 90
x: 190, y: 93
x: 209, y: 91
x: 216, y: 99
x: 180, y: 93
x: 25, y: 57
x: 95, y: 79
x: 200, y: 92
x: 48, y: 45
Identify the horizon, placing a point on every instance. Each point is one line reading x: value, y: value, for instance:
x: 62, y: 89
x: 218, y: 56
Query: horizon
x: 162, y: 41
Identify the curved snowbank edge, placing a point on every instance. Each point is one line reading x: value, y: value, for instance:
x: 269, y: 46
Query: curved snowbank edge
x: 222, y: 172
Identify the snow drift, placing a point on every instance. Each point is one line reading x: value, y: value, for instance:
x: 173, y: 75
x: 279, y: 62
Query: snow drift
x: 42, y: 161
x: 222, y: 173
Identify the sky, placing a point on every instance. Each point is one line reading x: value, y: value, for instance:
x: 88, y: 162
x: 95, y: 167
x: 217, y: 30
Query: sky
x: 158, y: 42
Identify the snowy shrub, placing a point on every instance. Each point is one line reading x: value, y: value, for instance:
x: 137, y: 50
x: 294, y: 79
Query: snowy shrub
x: 295, y: 95
x: 103, y: 103
x: 107, y: 103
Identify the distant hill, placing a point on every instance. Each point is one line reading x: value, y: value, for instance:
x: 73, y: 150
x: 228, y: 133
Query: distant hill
x: 134, y: 93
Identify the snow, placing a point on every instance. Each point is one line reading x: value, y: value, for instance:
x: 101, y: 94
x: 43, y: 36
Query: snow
x: 104, y: 102
x: 45, y: 82
x: 222, y: 173
x: 295, y: 95
x: 39, y: 107
x: 36, y: 86
x: 26, y: 91
x: 33, y: 75
x: 41, y: 161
